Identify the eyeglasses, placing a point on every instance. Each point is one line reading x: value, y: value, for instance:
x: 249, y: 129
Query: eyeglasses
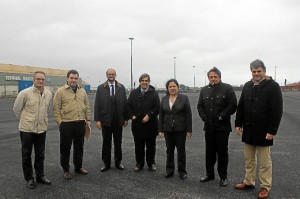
x: 40, y: 79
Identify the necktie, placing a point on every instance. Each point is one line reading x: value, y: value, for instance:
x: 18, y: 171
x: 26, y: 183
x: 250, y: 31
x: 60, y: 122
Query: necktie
x: 112, y: 90
x: 143, y: 92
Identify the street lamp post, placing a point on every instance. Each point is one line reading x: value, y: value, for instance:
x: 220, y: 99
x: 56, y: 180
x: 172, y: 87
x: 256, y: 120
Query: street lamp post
x: 131, y: 38
x: 194, y: 79
x: 205, y: 76
x: 174, y: 67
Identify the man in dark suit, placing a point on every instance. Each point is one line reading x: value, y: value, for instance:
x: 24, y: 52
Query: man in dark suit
x: 143, y: 108
x: 110, y: 114
x: 217, y: 102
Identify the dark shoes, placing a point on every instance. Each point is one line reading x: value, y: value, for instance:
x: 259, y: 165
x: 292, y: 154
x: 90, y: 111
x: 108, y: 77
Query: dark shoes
x: 263, y: 193
x: 168, y: 175
x: 105, y: 168
x: 243, y: 186
x: 43, y: 180
x: 183, y: 176
x: 223, y: 182
x: 152, y: 167
x: 31, y: 184
x: 120, y: 166
x: 207, y: 178
x: 81, y: 171
x: 138, y: 168
x: 67, y: 175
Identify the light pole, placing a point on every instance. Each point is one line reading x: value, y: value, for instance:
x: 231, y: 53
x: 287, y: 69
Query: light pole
x: 131, y: 38
x: 194, y: 79
x: 205, y: 76
x: 174, y: 67
x: 275, y: 73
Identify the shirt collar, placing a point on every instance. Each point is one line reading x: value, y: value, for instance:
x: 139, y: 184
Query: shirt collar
x: 146, y: 90
x: 111, y: 84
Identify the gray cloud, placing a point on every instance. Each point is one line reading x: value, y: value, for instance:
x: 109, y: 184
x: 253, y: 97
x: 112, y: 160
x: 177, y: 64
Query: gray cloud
x: 92, y: 36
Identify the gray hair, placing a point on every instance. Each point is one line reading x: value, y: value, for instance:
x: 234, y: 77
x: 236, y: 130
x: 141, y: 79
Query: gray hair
x: 143, y: 76
x: 256, y: 64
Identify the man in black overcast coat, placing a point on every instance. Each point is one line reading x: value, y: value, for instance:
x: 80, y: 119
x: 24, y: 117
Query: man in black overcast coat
x: 258, y: 117
x: 143, y: 108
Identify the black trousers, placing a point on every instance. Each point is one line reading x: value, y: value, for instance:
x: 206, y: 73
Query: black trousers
x: 139, y: 144
x: 176, y: 139
x: 71, y: 132
x: 216, y: 148
x: 28, y: 141
x: 107, y: 133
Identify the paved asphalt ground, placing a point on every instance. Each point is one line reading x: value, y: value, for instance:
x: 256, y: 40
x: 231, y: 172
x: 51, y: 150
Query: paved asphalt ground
x: 146, y: 184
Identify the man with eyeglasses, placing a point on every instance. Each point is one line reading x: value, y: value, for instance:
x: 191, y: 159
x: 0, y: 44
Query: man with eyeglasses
x: 30, y: 107
x: 110, y: 114
x: 72, y: 113
x: 143, y: 108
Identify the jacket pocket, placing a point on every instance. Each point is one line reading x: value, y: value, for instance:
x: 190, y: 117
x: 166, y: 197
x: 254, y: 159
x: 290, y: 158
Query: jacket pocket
x: 31, y: 106
x: 221, y: 99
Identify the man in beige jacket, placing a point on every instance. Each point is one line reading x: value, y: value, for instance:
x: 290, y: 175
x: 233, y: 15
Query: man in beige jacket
x: 31, y: 107
x: 72, y: 113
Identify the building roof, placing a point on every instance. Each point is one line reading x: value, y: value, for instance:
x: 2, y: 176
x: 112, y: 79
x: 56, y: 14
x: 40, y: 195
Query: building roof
x: 10, y: 68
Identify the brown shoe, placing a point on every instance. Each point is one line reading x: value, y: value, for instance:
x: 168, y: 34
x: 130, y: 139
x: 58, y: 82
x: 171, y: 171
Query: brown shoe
x: 243, y: 186
x: 81, y: 171
x: 263, y: 193
x: 67, y: 175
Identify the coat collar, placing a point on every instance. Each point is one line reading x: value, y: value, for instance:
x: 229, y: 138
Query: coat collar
x: 66, y: 86
x: 106, y: 84
x: 177, y: 100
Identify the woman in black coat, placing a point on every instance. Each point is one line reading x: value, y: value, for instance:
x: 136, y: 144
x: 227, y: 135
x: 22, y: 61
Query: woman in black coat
x: 143, y: 108
x: 175, y: 123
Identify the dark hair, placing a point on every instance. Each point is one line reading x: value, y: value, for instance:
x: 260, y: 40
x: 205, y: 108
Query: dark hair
x: 143, y: 76
x: 36, y: 72
x: 256, y: 64
x: 215, y: 70
x: 168, y: 82
x: 72, y: 72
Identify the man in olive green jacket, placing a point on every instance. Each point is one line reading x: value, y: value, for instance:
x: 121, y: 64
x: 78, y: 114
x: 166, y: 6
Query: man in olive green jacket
x: 72, y: 113
x: 30, y: 107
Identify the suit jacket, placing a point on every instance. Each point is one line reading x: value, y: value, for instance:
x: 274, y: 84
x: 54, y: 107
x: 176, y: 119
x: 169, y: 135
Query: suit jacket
x: 103, y: 109
x: 179, y: 118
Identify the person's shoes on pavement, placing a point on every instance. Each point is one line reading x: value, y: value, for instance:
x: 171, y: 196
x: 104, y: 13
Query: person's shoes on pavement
x: 223, y: 182
x: 31, y: 184
x: 67, y: 175
x: 263, y: 193
x: 43, y: 180
x: 207, y: 178
x: 81, y: 171
x: 243, y: 186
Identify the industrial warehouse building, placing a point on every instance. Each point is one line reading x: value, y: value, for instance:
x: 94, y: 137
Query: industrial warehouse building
x: 14, y: 78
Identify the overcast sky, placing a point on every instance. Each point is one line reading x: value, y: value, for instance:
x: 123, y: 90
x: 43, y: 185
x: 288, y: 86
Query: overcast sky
x: 93, y: 35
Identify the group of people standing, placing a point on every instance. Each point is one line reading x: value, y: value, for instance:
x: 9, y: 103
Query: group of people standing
x: 258, y: 116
